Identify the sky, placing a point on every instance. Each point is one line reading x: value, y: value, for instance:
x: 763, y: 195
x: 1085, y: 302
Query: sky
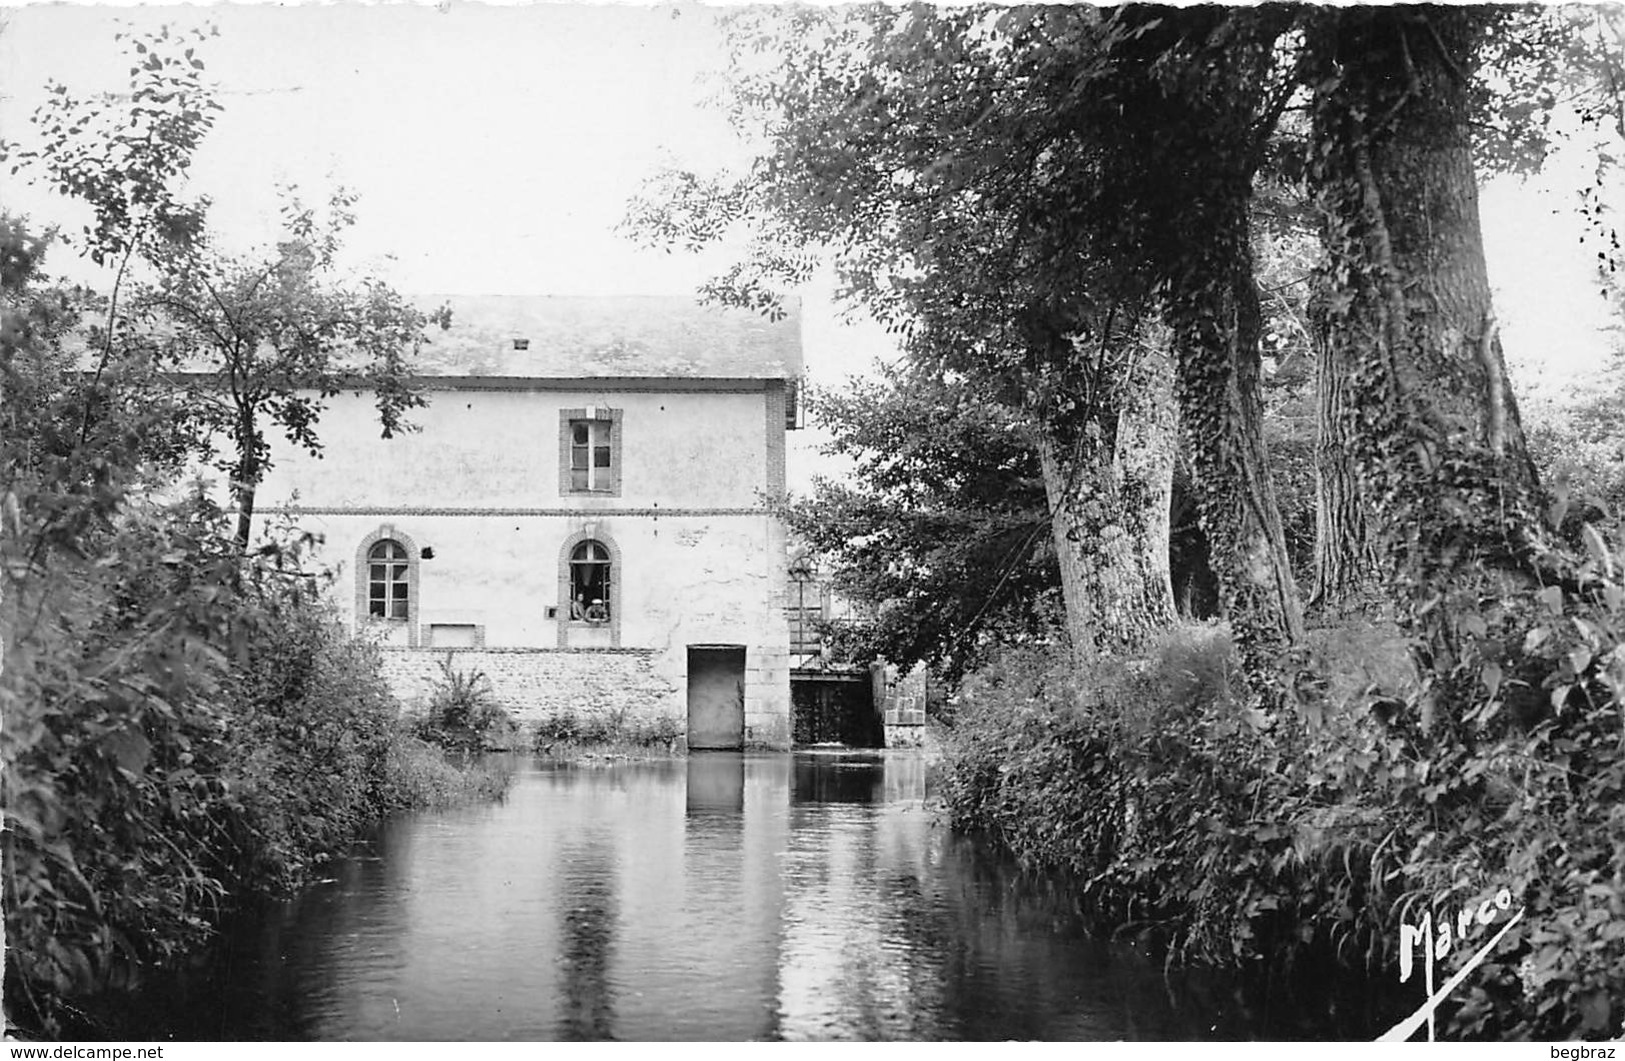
x: 494, y: 150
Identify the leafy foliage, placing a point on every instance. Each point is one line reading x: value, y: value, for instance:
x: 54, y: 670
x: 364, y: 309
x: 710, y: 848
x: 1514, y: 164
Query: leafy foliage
x: 943, y: 534
x: 125, y: 162
x: 612, y: 732
x: 179, y: 731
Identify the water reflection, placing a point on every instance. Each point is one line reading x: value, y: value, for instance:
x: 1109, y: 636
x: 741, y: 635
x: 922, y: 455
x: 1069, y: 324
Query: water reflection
x: 587, y: 942
x: 715, y: 785
x: 840, y: 777
x: 723, y: 896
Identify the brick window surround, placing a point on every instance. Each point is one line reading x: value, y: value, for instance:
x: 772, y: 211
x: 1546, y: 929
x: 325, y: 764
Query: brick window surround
x: 363, y: 577
x: 617, y: 576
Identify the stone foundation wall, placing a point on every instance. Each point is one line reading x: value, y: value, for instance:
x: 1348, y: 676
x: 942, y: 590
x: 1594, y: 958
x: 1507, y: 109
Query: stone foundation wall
x: 534, y: 684
x: 642, y: 685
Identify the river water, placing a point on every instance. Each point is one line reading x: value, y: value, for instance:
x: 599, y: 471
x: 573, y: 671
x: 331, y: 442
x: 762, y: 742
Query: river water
x: 718, y: 897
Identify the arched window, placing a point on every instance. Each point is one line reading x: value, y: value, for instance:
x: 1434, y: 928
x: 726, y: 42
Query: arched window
x: 590, y: 582
x: 389, y: 580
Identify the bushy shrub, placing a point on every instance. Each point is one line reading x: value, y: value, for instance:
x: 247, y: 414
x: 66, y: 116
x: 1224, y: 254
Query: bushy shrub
x: 462, y: 714
x: 114, y: 743
x: 312, y: 726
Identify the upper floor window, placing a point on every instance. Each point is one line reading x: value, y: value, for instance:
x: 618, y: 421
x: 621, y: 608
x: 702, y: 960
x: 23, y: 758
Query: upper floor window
x: 389, y: 580
x: 591, y: 463
x: 590, y: 451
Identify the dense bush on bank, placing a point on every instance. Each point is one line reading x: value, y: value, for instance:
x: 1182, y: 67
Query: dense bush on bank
x: 183, y: 729
x: 1303, y: 841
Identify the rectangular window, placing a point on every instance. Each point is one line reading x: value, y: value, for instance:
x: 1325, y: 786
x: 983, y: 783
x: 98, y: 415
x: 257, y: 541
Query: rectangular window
x: 590, y: 451
x: 591, y: 461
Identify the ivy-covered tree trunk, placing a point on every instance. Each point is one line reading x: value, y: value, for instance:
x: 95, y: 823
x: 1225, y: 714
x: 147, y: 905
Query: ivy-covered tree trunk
x: 1191, y: 84
x: 1214, y: 312
x: 1109, y: 482
x: 1438, y: 445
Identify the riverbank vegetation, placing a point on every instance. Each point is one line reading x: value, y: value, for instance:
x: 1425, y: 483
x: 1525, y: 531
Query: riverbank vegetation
x: 186, y: 723
x: 606, y: 734
x: 1225, y: 263
x: 185, y: 729
x: 462, y: 715
x: 1295, y: 844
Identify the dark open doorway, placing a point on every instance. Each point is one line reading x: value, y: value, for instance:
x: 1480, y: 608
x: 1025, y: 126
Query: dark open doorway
x: 716, y: 697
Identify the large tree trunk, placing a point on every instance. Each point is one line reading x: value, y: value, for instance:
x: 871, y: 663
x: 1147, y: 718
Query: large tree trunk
x: 1343, y: 556
x: 1191, y: 141
x: 1109, y: 481
x: 1213, y: 309
x: 1437, y: 440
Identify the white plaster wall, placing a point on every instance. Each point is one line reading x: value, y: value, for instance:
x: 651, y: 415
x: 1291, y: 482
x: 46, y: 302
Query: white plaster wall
x: 500, y: 448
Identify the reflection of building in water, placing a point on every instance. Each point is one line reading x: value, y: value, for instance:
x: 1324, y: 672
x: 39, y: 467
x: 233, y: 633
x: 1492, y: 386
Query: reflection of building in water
x: 731, y: 892
x: 587, y: 930
x: 716, y: 788
x: 598, y: 902
x: 852, y: 887
x: 846, y: 777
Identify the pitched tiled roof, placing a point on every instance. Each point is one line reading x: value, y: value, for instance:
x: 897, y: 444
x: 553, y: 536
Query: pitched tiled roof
x: 575, y: 337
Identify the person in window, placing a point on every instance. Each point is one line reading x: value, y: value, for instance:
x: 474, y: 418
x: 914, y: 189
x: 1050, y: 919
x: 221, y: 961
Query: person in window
x: 578, y: 608
x: 597, y: 612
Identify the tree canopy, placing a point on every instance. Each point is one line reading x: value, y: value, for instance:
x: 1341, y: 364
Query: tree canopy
x: 943, y: 533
